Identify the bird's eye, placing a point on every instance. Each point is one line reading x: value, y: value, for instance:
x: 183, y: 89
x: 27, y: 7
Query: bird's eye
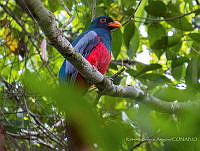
x: 103, y: 20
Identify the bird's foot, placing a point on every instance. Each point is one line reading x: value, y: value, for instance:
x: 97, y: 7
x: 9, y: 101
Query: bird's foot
x: 110, y: 78
x: 94, y: 68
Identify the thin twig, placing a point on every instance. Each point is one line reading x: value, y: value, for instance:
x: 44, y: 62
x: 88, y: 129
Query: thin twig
x: 133, y: 14
x: 28, y: 137
x: 41, y: 134
x: 151, y: 20
x: 137, y: 145
x: 43, y: 128
x: 11, y: 113
x: 94, y: 10
x: 69, y: 13
x: 118, y: 73
x: 168, y: 19
x: 192, y: 48
x: 197, y: 2
x: 149, y: 139
x: 126, y: 62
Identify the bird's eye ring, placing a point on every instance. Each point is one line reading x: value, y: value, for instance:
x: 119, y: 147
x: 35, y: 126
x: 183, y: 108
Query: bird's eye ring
x: 103, y: 20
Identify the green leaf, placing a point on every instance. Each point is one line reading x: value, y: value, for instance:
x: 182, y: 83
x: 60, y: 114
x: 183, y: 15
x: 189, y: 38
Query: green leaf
x: 177, y: 72
x: 128, y: 33
x: 180, y: 23
x: 149, y: 68
x: 174, y: 40
x: 100, y: 11
x: 192, y: 71
x: 131, y: 39
x: 154, y: 77
x: 53, y: 6
x: 131, y: 72
x: 116, y: 42
x: 134, y: 44
x: 160, y: 43
x: 156, y: 8
x: 179, y: 61
x: 195, y: 36
x: 158, y: 52
x: 128, y: 4
x: 157, y: 36
x: 196, y: 20
x: 173, y: 94
x: 141, y: 8
x: 195, y: 49
x: 113, y: 66
x: 171, y: 53
x: 129, y: 11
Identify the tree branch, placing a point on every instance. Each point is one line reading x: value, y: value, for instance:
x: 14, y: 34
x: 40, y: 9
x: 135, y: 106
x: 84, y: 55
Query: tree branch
x: 197, y: 2
x: 118, y: 73
x: 94, y: 9
x: 69, y: 13
x: 127, y: 62
x: 31, y: 137
x: 49, y: 26
x: 2, y: 138
x: 168, y: 19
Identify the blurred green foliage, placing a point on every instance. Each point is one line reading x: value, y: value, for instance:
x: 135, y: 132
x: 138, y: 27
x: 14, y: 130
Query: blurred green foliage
x: 164, y: 33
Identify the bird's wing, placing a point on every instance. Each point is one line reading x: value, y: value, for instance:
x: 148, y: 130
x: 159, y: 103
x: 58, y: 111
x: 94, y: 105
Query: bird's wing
x: 84, y: 44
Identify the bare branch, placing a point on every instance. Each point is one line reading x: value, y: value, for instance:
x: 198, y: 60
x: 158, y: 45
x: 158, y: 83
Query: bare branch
x: 118, y: 73
x: 168, y: 19
x: 197, y: 1
x: 126, y: 62
x: 31, y: 137
x: 65, y: 7
x: 151, y: 20
x: 138, y: 145
x: 18, y: 94
x: 133, y: 14
x: 47, y: 144
x: 69, y: 13
x: 45, y: 131
x: 94, y: 9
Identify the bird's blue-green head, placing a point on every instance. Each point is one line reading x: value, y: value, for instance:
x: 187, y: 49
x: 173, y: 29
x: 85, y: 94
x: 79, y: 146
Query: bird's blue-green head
x: 104, y: 22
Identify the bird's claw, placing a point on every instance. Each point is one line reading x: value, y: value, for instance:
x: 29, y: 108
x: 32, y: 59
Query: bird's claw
x: 94, y: 68
x: 111, y: 79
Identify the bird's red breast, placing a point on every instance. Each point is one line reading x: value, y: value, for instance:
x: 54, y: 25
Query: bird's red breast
x: 100, y: 58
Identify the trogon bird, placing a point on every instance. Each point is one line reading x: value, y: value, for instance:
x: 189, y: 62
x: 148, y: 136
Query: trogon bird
x: 95, y: 45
